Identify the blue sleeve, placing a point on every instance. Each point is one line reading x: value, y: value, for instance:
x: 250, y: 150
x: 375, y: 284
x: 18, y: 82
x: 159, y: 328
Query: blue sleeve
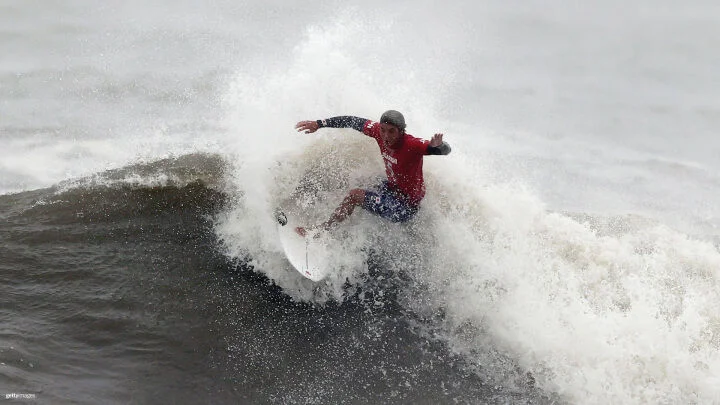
x: 344, y: 121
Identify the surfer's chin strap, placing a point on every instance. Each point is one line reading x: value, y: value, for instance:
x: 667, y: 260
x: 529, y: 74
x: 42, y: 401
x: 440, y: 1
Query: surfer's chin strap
x: 443, y: 149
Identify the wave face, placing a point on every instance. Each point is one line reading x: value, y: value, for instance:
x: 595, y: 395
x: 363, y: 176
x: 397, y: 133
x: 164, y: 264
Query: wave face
x: 484, y: 296
x: 121, y: 279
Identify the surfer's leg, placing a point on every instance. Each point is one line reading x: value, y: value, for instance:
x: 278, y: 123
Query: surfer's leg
x: 354, y: 198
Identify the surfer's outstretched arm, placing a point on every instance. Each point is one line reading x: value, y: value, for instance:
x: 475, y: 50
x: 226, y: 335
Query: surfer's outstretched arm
x: 343, y: 121
x: 437, y: 146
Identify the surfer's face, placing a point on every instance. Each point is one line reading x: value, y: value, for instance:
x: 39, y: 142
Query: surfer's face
x: 390, y: 133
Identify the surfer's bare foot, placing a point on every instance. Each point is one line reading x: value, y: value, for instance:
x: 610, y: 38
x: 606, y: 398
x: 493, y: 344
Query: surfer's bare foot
x: 315, y: 231
x: 301, y: 231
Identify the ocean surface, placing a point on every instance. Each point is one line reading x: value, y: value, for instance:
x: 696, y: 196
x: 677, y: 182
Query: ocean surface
x: 567, y: 251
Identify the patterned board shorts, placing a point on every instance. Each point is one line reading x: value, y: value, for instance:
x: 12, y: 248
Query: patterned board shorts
x: 388, y: 204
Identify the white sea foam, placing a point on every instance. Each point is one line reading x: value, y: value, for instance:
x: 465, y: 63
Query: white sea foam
x: 626, y: 314
x: 597, y: 310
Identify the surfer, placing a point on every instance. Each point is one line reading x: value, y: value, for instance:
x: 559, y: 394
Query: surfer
x: 397, y: 198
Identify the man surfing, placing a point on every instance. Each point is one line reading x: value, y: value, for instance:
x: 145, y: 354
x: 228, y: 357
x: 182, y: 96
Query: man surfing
x: 398, y: 198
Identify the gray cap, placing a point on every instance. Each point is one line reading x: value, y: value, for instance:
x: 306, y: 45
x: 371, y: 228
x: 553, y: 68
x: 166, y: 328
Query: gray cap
x: 393, y: 117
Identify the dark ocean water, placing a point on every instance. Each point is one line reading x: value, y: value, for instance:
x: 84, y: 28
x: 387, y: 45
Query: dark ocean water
x: 117, y: 292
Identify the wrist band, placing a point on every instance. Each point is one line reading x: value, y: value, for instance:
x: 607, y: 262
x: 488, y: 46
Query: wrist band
x: 319, y: 122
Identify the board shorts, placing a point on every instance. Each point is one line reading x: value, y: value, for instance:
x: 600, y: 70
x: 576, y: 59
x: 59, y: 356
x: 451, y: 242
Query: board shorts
x: 389, y: 204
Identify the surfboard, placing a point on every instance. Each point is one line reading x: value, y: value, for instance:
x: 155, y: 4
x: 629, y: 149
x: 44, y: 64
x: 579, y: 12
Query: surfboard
x: 307, y: 255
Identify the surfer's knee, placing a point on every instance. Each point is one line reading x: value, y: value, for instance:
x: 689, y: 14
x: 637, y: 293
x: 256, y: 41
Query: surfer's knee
x: 356, y: 196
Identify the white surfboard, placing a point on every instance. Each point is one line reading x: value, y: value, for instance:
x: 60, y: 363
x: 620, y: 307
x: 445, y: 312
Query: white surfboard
x: 307, y: 255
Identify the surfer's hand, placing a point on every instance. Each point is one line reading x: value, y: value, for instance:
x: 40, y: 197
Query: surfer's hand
x: 436, y: 140
x: 301, y: 231
x: 307, y: 126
